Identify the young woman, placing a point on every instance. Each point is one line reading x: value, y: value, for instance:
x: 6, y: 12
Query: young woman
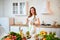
x: 33, y: 21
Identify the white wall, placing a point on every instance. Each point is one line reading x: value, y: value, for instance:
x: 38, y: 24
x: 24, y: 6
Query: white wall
x: 1, y: 8
x: 38, y: 4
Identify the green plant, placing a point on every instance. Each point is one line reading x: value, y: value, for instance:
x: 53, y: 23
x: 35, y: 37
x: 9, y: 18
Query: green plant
x: 51, y: 36
x: 13, y: 35
x: 18, y: 36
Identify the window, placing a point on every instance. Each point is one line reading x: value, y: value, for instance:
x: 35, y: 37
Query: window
x: 15, y: 8
x: 19, y: 8
x: 22, y: 8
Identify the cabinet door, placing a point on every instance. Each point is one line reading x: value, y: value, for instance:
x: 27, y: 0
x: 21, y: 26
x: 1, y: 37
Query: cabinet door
x: 22, y: 8
x: 46, y: 29
x: 4, y: 21
x: 19, y: 8
x: 54, y: 30
x: 58, y: 32
x: 15, y: 8
x: 14, y: 29
x: 25, y: 29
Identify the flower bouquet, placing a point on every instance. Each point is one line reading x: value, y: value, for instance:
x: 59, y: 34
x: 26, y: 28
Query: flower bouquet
x: 48, y: 36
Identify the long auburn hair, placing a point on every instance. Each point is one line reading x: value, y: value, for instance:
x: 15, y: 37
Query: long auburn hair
x: 31, y: 13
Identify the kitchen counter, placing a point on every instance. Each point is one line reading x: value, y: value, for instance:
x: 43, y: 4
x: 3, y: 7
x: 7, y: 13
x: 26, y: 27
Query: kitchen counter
x: 18, y: 27
x: 50, y: 26
x: 41, y: 26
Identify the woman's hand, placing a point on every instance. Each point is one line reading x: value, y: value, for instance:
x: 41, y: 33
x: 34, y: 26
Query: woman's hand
x: 31, y: 23
x: 37, y: 22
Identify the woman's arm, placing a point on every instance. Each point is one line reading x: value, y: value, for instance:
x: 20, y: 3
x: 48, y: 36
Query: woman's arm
x: 27, y: 21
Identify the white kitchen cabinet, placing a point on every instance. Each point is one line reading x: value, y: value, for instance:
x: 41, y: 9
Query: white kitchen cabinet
x: 58, y: 32
x: 4, y: 22
x: 46, y: 29
x: 14, y: 29
x: 19, y: 7
x: 25, y: 29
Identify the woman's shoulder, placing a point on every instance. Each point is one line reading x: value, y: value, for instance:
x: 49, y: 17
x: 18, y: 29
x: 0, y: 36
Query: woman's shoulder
x: 37, y: 16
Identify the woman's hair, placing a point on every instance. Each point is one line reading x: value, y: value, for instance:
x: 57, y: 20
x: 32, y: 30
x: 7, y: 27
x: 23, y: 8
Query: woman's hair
x: 34, y: 11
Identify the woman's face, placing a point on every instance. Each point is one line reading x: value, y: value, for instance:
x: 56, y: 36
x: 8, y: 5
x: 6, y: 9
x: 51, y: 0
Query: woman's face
x: 32, y: 11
